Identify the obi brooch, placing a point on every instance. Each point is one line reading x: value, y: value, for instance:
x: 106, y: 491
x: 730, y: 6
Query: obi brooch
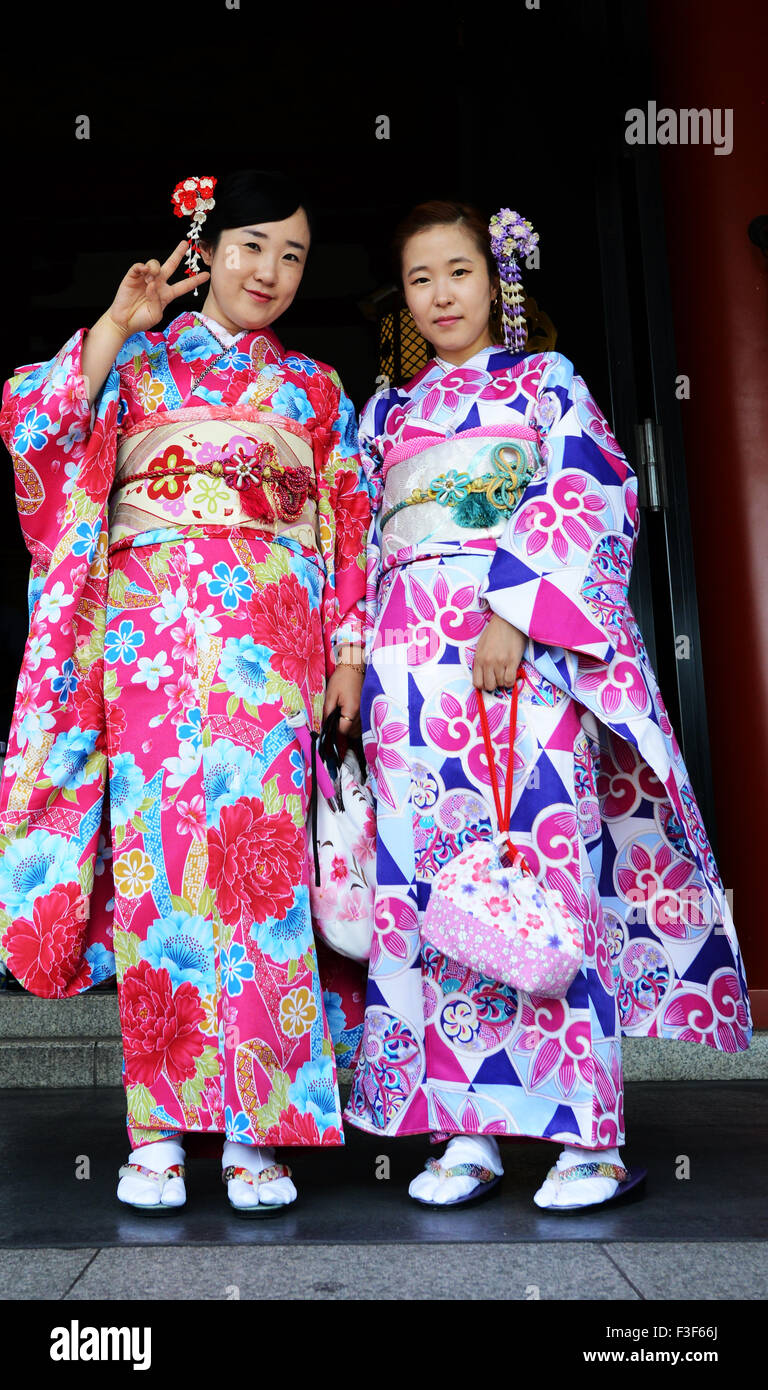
x: 267, y: 489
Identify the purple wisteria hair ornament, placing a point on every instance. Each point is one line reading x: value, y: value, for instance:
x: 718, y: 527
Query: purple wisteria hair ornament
x: 511, y: 239
x: 194, y: 198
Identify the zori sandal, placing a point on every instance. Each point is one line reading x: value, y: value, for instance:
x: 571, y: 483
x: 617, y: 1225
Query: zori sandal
x: 631, y: 1184
x: 160, y: 1181
x: 486, y: 1182
x: 257, y: 1180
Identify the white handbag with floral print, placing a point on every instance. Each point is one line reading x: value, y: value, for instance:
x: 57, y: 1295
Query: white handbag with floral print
x: 342, y: 834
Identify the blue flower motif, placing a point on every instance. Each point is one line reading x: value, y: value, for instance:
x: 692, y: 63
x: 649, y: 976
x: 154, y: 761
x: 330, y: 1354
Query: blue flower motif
x: 126, y: 788
x: 195, y: 344
x: 30, y: 381
x: 292, y: 402
x: 183, y: 945
x: 231, y: 583
x: 346, y: 424
x: 237, y: 1126
x: 235, y: 968
x: 301, y: 364
x: 229, y: 772
x: 101, y: 961
x: 123, y: 644
x: 297, y: 764
x: 67, y: 682
x: 191, y: 729
x: 314, y: 1093
x: 67, y: 759
x: 244, y: 666
x: 31, y: 867
x: 88, y: 536
x: 288, y: 938
x: 238, y: 362
x: 31, y: 433
x: 213, y: 397
x: 337, y: 1019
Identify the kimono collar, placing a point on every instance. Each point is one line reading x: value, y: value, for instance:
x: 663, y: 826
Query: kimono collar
x: 478, y: 359
x: 221, y: 334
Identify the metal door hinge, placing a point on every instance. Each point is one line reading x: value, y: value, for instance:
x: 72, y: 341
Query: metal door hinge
x: 651, y: 473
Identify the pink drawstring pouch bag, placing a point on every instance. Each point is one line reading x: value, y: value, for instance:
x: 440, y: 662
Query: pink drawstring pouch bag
x: 487, y: 910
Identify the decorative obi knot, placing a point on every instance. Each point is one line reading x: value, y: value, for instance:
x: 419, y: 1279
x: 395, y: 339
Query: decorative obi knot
x: 267, y: 487
x: 219, y: 472
x: 458, y: 489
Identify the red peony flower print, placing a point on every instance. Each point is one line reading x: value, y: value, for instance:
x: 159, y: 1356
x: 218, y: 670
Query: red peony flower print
x: 43, y: 953
x: 282, y: 620
x: 352, y: 511
x: 255, y: 860
x: 115, y: 726
x: 89, y: 701
x: 296, y: 1128
x: 97, y: 464
x: 160, y: 1026
x: 323, y: 397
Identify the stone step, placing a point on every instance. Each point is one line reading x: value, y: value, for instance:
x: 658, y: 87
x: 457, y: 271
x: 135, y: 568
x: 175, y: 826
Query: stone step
x: 76, y: 1042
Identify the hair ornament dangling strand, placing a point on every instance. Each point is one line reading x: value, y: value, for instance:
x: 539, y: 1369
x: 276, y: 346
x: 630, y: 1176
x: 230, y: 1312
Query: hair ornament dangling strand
x: 194, y: 198
x: 512, y: 237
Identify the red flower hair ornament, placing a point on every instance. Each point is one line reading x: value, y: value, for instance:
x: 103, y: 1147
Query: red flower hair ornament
x: 194, y: 198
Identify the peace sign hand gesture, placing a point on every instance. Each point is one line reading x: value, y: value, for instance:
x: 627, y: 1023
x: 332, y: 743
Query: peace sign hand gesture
x: 144, y: 293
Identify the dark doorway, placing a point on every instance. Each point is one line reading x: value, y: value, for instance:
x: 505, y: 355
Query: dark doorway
x: 522, y: 107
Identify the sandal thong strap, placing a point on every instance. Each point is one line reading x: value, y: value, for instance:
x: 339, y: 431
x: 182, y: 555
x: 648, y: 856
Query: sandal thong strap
x: 459, y: 1170
x: 176, y: 1170
x: 589, y: 1170
x: 270, y: 1174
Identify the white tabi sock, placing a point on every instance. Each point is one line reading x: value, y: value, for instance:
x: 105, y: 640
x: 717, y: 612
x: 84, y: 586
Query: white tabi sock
x: 277, y: 1193
x: 463, y: 1148
x: 583, y: 1192
x: 141, y: 1191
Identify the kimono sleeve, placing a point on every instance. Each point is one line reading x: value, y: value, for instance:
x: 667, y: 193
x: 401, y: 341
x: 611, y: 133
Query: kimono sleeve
x: 351, y: 509
x: 372, y: 462
x: 562, y: 567
x: 62, y: 448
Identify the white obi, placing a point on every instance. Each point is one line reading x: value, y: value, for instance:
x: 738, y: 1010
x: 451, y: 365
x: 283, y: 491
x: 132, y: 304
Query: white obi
x: 457, y: 491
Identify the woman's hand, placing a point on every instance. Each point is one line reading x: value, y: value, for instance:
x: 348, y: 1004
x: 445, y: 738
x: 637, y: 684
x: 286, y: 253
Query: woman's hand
x: 498, y: 655
x: 142, y: 297
x: 343, y: 690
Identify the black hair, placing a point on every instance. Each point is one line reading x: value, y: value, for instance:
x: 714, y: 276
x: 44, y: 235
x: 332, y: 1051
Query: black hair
x: 252, y: 195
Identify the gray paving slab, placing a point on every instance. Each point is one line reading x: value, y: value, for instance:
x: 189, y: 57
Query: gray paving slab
x: 90, y: 1015
x: 341, y: 1272
x: 49, y: 1064
x: 660, y: 1059
x: 35, y: 1274
x: 718, y: 1270
x: 108, y: 1062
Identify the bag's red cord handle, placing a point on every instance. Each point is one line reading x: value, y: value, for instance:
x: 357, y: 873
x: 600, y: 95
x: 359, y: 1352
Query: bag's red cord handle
x: 503, y: 816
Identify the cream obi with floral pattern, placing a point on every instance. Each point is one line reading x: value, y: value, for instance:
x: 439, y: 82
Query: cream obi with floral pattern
x: 460, y: 490
x: 192, y: 470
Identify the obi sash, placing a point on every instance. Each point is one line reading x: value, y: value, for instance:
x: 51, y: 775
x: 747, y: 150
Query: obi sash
x: 459, y: 490
x: 192, y: 471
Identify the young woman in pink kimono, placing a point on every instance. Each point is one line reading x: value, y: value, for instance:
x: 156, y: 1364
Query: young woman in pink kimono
x: 196, y: 514
x: 505, y: 523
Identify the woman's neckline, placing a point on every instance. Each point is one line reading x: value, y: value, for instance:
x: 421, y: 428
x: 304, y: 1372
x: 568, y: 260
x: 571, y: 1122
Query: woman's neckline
x: 457, y: 367
x: 218, y: 330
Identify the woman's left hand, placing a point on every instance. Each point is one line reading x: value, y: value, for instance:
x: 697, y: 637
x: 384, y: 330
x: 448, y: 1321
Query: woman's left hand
x: 343, y: 691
